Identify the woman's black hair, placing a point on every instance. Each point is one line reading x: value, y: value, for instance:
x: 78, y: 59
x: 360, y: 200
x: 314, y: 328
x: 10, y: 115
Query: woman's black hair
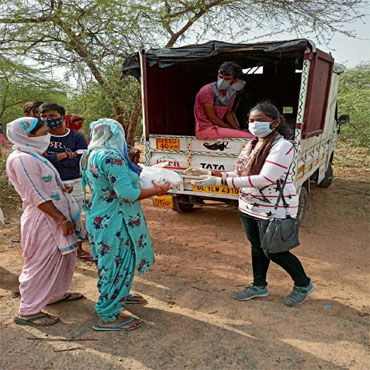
x: 39, y: 124
x: 271, y: 110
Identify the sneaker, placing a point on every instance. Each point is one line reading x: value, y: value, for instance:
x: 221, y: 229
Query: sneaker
x: 251, y: 292
x: 298, y: 295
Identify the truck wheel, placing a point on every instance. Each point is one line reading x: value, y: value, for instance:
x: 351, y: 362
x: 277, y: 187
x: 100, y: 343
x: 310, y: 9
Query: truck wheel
x: 328, y: 179
x: 180, y: 207
x: 302, y: 206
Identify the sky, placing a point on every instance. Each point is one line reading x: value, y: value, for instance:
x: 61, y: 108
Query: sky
x: 346, y: 50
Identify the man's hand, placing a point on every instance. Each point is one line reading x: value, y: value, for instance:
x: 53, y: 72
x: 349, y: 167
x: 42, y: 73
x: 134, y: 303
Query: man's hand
x: 71, y: 155
x: 66, y: 155
x: 207, y: 181
x: 191, y: 171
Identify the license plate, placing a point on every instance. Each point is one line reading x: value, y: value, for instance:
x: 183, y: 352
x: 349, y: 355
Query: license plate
x: 164, y: 143
x: 164, y: 201
x: 216, y: 189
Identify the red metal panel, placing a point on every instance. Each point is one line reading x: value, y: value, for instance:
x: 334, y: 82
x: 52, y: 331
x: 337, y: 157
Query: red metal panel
x: 170, y: 100
x: 317, y: 93
x: 144, y: 77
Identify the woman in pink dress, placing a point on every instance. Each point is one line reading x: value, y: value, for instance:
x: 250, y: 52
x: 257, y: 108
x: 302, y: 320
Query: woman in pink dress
x: 49, y: 223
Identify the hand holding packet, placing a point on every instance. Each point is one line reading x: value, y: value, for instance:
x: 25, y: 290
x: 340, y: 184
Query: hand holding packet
x: 158, y: 174
x: 192, y: 171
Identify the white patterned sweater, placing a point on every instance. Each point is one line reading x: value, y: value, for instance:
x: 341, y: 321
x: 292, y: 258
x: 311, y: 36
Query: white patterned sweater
x: 258, y: 193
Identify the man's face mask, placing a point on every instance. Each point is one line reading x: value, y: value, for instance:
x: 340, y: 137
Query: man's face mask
x: 54, y: 122
x: 238, y: 85
x: 222, y: 84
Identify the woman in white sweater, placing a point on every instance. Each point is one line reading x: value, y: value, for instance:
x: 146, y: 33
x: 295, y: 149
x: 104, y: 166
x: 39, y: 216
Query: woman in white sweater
x: 261, y: 164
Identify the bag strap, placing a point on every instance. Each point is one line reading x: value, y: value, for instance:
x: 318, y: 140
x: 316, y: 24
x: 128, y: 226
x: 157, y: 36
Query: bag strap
x: 280, y: 187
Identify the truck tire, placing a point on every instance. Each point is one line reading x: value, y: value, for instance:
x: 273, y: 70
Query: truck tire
x: 302, y: 205
x: 328, y: 179
x: 181, y: 207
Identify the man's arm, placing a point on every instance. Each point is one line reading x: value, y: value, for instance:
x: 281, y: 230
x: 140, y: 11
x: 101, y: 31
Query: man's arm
x: 229, y: 116
x: 57, y: 157
x: 210, y: 112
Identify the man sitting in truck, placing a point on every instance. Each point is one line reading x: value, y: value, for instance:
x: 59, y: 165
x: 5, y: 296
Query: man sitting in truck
x: 214, y: 116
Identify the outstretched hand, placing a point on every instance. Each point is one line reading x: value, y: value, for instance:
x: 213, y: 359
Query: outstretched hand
x: 207, y: 181
x: 192, y: 171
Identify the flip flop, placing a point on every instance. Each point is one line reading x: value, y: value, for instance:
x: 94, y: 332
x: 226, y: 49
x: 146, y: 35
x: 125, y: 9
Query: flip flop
x: 67, y: 298
x: 119, y: 327
x: 86, y: 257
x: 30, y: 321
x: 141, y: 300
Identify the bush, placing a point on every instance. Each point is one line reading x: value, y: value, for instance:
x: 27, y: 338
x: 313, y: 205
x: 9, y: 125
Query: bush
x: 354, y: 100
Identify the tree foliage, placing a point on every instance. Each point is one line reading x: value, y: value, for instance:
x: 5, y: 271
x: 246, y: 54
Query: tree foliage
x: 20, y: 83
x: 88, y: 37
x: 354, y: 100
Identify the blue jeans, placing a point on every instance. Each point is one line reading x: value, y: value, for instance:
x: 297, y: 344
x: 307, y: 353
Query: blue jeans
x: 255, y: 229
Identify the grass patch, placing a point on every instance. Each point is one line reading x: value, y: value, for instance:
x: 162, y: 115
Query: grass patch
x: 348, y: 156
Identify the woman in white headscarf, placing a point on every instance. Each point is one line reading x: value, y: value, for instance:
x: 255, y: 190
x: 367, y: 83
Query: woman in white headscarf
x: 115, y: 223
x: 49, y: 223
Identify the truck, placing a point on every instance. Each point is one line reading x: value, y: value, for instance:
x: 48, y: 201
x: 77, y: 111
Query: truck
x: 300, y: 79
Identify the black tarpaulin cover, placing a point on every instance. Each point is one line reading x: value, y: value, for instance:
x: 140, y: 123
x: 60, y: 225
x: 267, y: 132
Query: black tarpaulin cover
x: 169, y: 56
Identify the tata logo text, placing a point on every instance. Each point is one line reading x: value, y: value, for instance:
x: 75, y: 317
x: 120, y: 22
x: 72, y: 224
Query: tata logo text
x: 208, y: 166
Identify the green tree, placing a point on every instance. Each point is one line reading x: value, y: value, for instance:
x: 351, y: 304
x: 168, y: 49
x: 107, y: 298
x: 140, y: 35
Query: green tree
x: 89, y: 36
x: 20, y: 83
x: 354, y: 100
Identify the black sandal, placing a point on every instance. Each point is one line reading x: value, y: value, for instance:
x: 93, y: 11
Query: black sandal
x: 30, y: 322
x: 67, y: 298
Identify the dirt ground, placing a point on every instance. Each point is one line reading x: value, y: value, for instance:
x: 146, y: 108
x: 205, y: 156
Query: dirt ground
x: 191, y: 321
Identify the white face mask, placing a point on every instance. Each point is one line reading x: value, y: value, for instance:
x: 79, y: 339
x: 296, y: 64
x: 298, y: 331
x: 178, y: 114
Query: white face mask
x: 238, y: 85
x: 260, y: 129
x: 40, y: 143
x: 222, y: 84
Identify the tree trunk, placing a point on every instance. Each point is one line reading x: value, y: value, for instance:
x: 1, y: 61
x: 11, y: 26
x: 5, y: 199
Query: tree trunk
x: 130, y: 135
x: 118, y: 113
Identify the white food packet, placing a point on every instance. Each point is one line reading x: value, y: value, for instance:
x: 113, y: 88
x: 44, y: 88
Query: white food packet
x: 158, y: 174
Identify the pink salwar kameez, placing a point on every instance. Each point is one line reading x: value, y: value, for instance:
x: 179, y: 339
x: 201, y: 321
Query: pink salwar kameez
x: 50, y: 256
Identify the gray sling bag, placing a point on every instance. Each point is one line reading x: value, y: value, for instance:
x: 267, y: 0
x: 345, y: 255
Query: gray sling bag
x: 281, y: 235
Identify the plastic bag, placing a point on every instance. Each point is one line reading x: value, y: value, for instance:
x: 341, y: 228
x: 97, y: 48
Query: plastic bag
x: 158, y: 174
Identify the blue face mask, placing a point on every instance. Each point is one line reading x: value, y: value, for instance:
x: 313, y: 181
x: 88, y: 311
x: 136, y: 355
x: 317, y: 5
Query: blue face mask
x: 260, y: 129
x: 53, y: 122
x: 222, y: 84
